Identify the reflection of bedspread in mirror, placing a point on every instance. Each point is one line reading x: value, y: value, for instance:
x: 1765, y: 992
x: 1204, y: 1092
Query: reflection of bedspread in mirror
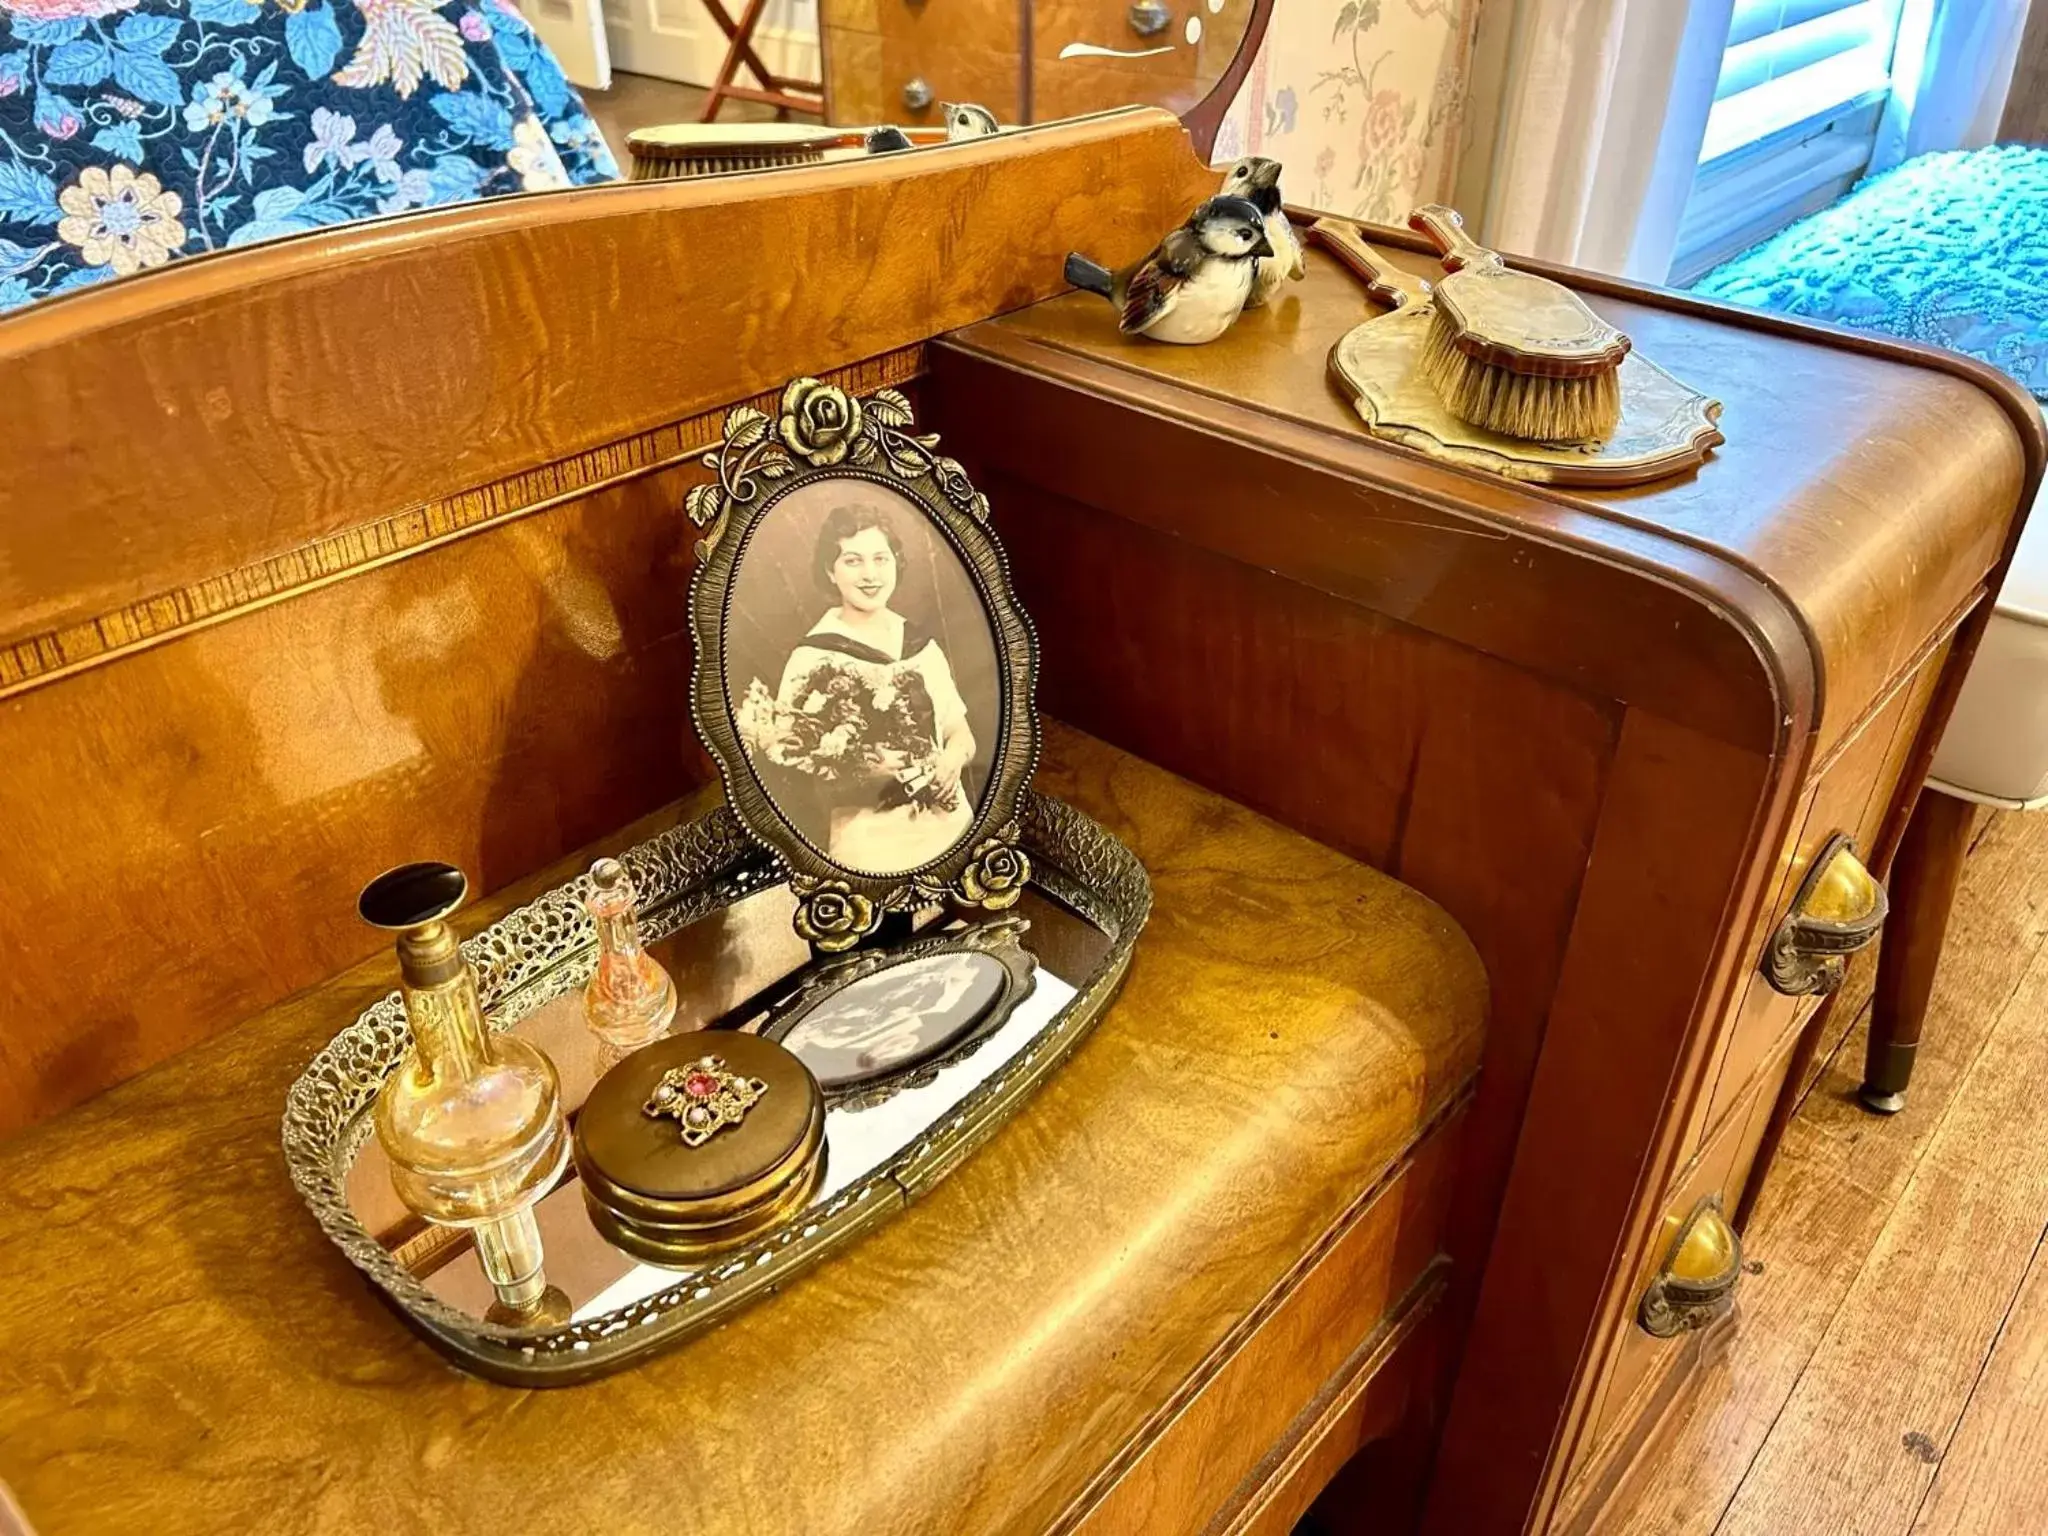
x: 130, y: 135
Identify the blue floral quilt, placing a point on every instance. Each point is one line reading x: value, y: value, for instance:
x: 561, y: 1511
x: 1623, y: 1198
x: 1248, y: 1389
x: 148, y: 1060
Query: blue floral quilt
x: 133, y: 131
x: 1949, y: 248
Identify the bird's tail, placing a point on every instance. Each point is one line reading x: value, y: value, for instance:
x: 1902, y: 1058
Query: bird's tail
x: 1091, y: 275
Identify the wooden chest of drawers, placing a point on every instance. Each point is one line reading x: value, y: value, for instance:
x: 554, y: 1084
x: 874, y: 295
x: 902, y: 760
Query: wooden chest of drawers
x: 311, y: 610
x: 1608, y: 731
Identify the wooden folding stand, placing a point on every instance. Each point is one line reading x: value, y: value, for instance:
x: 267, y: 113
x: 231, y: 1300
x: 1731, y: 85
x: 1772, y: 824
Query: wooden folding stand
x: 778, y: 91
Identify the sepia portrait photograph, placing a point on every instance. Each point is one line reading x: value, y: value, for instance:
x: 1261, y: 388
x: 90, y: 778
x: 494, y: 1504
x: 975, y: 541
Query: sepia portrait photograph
x: 897, y: 1017
x: 861, y: 670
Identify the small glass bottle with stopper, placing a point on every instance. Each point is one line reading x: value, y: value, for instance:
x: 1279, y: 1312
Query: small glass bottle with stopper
x: 630, y: 1000
x: 471, y: 1119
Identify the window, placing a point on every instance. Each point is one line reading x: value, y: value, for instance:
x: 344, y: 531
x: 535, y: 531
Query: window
x: 1796, y: 107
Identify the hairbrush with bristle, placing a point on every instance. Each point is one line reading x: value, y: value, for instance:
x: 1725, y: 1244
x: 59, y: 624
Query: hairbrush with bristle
x: 680, y: 150
x: 1514, y: 352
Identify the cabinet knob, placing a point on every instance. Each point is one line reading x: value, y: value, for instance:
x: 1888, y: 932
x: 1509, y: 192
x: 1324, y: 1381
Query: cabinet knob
x: 1149, y: 18
x: 917, y: 93
x: 1697, y: 1283
x: 1839, y: 909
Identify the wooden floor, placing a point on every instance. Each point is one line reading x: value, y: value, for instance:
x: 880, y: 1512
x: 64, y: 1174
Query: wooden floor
x: 1888, y: 1371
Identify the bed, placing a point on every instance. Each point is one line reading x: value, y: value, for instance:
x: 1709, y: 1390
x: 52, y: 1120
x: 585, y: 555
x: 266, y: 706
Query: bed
x: 1949, y: 249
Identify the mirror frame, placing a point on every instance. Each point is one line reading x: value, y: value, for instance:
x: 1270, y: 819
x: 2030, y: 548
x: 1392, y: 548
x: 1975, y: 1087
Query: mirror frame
x: 1204, y: 120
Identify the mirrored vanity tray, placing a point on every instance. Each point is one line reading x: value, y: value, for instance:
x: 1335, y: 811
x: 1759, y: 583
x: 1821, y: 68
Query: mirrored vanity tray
x: 715, y: 910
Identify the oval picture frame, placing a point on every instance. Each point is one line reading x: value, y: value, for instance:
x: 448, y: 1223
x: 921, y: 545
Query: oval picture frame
x: 879, y: 754
x: 999, y: 942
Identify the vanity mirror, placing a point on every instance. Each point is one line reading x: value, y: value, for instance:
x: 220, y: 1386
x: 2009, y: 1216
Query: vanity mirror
x: 899, y: 61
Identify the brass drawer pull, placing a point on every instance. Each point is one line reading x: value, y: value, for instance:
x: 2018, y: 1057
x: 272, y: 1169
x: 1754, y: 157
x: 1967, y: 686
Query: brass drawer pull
x: 1839, y: 909
x: 1697, y: 1283
x: 1149, y: 18
x: 917, y: 93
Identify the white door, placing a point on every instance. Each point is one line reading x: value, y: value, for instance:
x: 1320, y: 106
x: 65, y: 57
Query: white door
x: 575, y: 30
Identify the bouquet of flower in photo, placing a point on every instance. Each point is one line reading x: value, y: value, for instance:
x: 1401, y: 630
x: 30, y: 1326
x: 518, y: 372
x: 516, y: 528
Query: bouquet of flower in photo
x: 840, y: 717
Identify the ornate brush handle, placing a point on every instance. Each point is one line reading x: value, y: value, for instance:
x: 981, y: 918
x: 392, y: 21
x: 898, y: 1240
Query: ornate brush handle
x: 1384, y: 281
x: 1446, y: 230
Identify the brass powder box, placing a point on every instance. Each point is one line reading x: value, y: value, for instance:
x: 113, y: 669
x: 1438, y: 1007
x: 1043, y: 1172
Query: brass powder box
x: 697, y: 1143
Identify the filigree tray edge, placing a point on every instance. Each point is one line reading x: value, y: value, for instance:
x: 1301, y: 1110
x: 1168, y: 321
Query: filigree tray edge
x: 683, y: 874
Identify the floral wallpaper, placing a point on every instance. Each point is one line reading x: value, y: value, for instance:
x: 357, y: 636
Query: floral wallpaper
x: 1362, y: 101
x: 135, y: 131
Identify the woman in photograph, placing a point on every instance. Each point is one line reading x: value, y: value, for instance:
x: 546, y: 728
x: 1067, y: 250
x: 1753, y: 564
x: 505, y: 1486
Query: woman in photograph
x: 901, y: 804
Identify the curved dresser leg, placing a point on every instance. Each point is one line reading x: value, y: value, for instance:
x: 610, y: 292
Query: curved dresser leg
x: 1923, y: 889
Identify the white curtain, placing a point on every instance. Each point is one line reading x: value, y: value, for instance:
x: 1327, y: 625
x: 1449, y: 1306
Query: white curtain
x: 1605, y: 107
x: 1950, y: 74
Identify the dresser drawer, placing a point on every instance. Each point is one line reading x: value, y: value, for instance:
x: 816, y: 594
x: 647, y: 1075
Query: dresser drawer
x: 1197, y: 46
x: 891, y: 61
x: 1854, y: 791
x: 1721, y: 1173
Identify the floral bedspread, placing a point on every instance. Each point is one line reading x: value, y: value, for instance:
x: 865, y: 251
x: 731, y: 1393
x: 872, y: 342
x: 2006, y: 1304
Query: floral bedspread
x: 133, y: 131
x: 1949, y: 248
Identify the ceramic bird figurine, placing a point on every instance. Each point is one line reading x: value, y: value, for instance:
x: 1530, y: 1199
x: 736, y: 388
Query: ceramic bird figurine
x: 885, y: 139
x: 1195, y: 282
x: 965, y: 120
x: 1257, y: 181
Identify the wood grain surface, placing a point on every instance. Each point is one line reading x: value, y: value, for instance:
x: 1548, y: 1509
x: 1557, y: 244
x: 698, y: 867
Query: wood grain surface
x: 385, y: 559
x: 1769, y: 519
x: 329, y: 380
x: 1177, y: 79
x: 2026, y: 100
x: 185, y: 1351
x: 1987, y: 1482
x: 965, y: 50
x: 1902, y: 1355
x: 196, y: 819
x: 1263, y: 561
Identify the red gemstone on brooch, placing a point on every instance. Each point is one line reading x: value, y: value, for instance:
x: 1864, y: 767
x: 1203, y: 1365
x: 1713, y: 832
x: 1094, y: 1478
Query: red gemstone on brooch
x: 700, y: 1085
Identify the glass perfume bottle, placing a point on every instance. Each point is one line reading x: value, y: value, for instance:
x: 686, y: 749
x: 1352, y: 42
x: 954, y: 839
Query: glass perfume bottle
x: 471, y: 1119
x: 630, y: 1000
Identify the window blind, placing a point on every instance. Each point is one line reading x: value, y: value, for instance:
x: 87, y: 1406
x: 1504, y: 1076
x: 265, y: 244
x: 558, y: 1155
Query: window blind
x: 1790, y: 62
x: 1796, y: 106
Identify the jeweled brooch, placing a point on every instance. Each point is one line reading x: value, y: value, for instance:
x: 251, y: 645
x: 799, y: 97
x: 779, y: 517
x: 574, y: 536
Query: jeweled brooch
x: 704, y: 1098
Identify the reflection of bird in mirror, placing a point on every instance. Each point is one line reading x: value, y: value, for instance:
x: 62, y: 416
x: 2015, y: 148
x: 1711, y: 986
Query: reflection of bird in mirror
x: 1257, y: 180
x: 885, y: 139
x: 966, y: 120
x: 1195, y: 282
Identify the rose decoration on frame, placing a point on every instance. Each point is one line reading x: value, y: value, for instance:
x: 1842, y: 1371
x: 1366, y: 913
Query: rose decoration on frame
x: 819, y: 421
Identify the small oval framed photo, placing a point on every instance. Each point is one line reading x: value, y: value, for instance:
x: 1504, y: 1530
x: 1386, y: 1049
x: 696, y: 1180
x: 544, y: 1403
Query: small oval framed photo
x: 875, y: 1023
x: 864, y: 676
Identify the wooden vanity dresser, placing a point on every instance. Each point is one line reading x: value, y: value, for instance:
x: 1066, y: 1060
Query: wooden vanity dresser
x: 366, y: 546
